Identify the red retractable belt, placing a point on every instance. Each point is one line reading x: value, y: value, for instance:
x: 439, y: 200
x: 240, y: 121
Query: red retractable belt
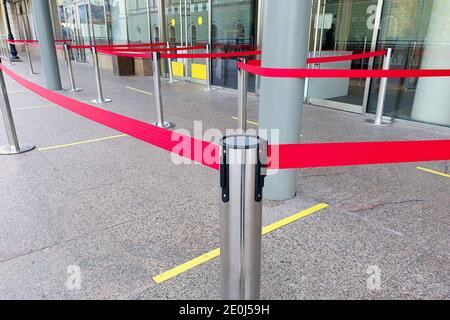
x: 211, y: 55
x: 339, y: 73
x: 346, y: 57
x: 207, y: 153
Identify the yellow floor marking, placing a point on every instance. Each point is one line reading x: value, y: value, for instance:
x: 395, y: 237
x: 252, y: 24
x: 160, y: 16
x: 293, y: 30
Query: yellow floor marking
x: 249, y: 122
x: 216, y: 252
x: 81, y: 142
x: 40, y: 107
x: 35, y: 107
x: 434, y: 172
x: 138, y: 90
x: 254, y: 123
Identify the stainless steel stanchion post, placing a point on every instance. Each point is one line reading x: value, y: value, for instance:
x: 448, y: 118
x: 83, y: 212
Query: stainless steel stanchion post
x: 13, y: 147
x: 157, y: 92
x: 68, y: 55
x: 30, y: 62
x: 242, y: 97
x: 242, y: 173
x: 170, y: 67
x: 382, y: 93
x: 208, y: 70
x: 306, y: 99
x: 100, y: 98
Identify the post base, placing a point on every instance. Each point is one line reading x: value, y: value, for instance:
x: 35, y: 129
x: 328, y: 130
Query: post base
x: 101, y: 101
x: 211, y: 89
x: 165, y: 124
x: 173, y: 81
x: 10, y: 150
x: 75, y: 90
x: 382, y: 124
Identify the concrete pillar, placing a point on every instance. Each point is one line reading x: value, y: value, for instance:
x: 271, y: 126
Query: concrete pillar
x: 432, y: 100
x: 44, y: 28
x: 285, y: 43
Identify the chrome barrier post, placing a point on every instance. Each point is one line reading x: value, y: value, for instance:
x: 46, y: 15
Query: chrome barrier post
x: 13, y: 146
x: 30, y: 62
x: 157, y: 92
x: 242, y: 97
x: 306, y: 99
x: 170, y: 67
x: 68, y: 55
x: 208, y: 69
x: 242, y: 173
x: 382, y: 93
x: 100, y: 98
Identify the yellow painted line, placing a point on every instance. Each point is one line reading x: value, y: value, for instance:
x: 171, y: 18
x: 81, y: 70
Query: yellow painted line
x: 434, y: 172
x: 40, y: 107
x: 35, y: 107
x: 254, y: 123
x: 216, y: 252
x: 138, y: 90
x: 81, y: 142
x: 249, y: 122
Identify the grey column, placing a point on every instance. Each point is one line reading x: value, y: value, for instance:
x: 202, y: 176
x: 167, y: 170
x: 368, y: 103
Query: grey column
x: 284, y: 44
x: 44, y: 28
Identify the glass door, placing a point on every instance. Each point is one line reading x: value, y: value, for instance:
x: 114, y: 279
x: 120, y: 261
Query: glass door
x: 188, y: 25
x: 418, y: 33
x: 233, y: 28
x: 197, y: 33
x: 342, y: 27
x: 76, y: 27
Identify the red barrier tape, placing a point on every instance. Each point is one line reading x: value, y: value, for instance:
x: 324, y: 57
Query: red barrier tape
x: 281, y: 156
x: 248, y: 47
x: 161, y: 138
x: 125, y: 54
x: 347, y: 57
x: 157, y: 49
x: 33, y: 41
x: 339, y: 73
x: 119, y: 47
x: 211, y: 55
x: 357, y: 153
x: 80, y: 47
x: 256, y: 63
x: 133, y: 45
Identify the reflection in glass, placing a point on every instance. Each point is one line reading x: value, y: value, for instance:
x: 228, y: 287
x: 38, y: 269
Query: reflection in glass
x: 138, y: 21
x: 342, y: 27
x: 419, y: 33
x: 118, y: 21
x: 233, y: 29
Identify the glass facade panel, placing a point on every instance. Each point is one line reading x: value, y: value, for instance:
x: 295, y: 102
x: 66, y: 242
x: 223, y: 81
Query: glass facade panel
x: 233, y: 29
x: 118, y: 21
x: 99, y: 21
x: 341, y: 27
x: 138, y: 21
x: 175, y: 22
x: 417, y: 30
x: 419, y: 33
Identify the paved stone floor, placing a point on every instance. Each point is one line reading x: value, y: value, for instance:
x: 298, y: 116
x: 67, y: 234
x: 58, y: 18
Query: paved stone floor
x: 122, y: 212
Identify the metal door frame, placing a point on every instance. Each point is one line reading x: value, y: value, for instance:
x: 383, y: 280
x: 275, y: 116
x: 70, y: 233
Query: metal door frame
x: 185, y: 17
x: 321, y: 6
